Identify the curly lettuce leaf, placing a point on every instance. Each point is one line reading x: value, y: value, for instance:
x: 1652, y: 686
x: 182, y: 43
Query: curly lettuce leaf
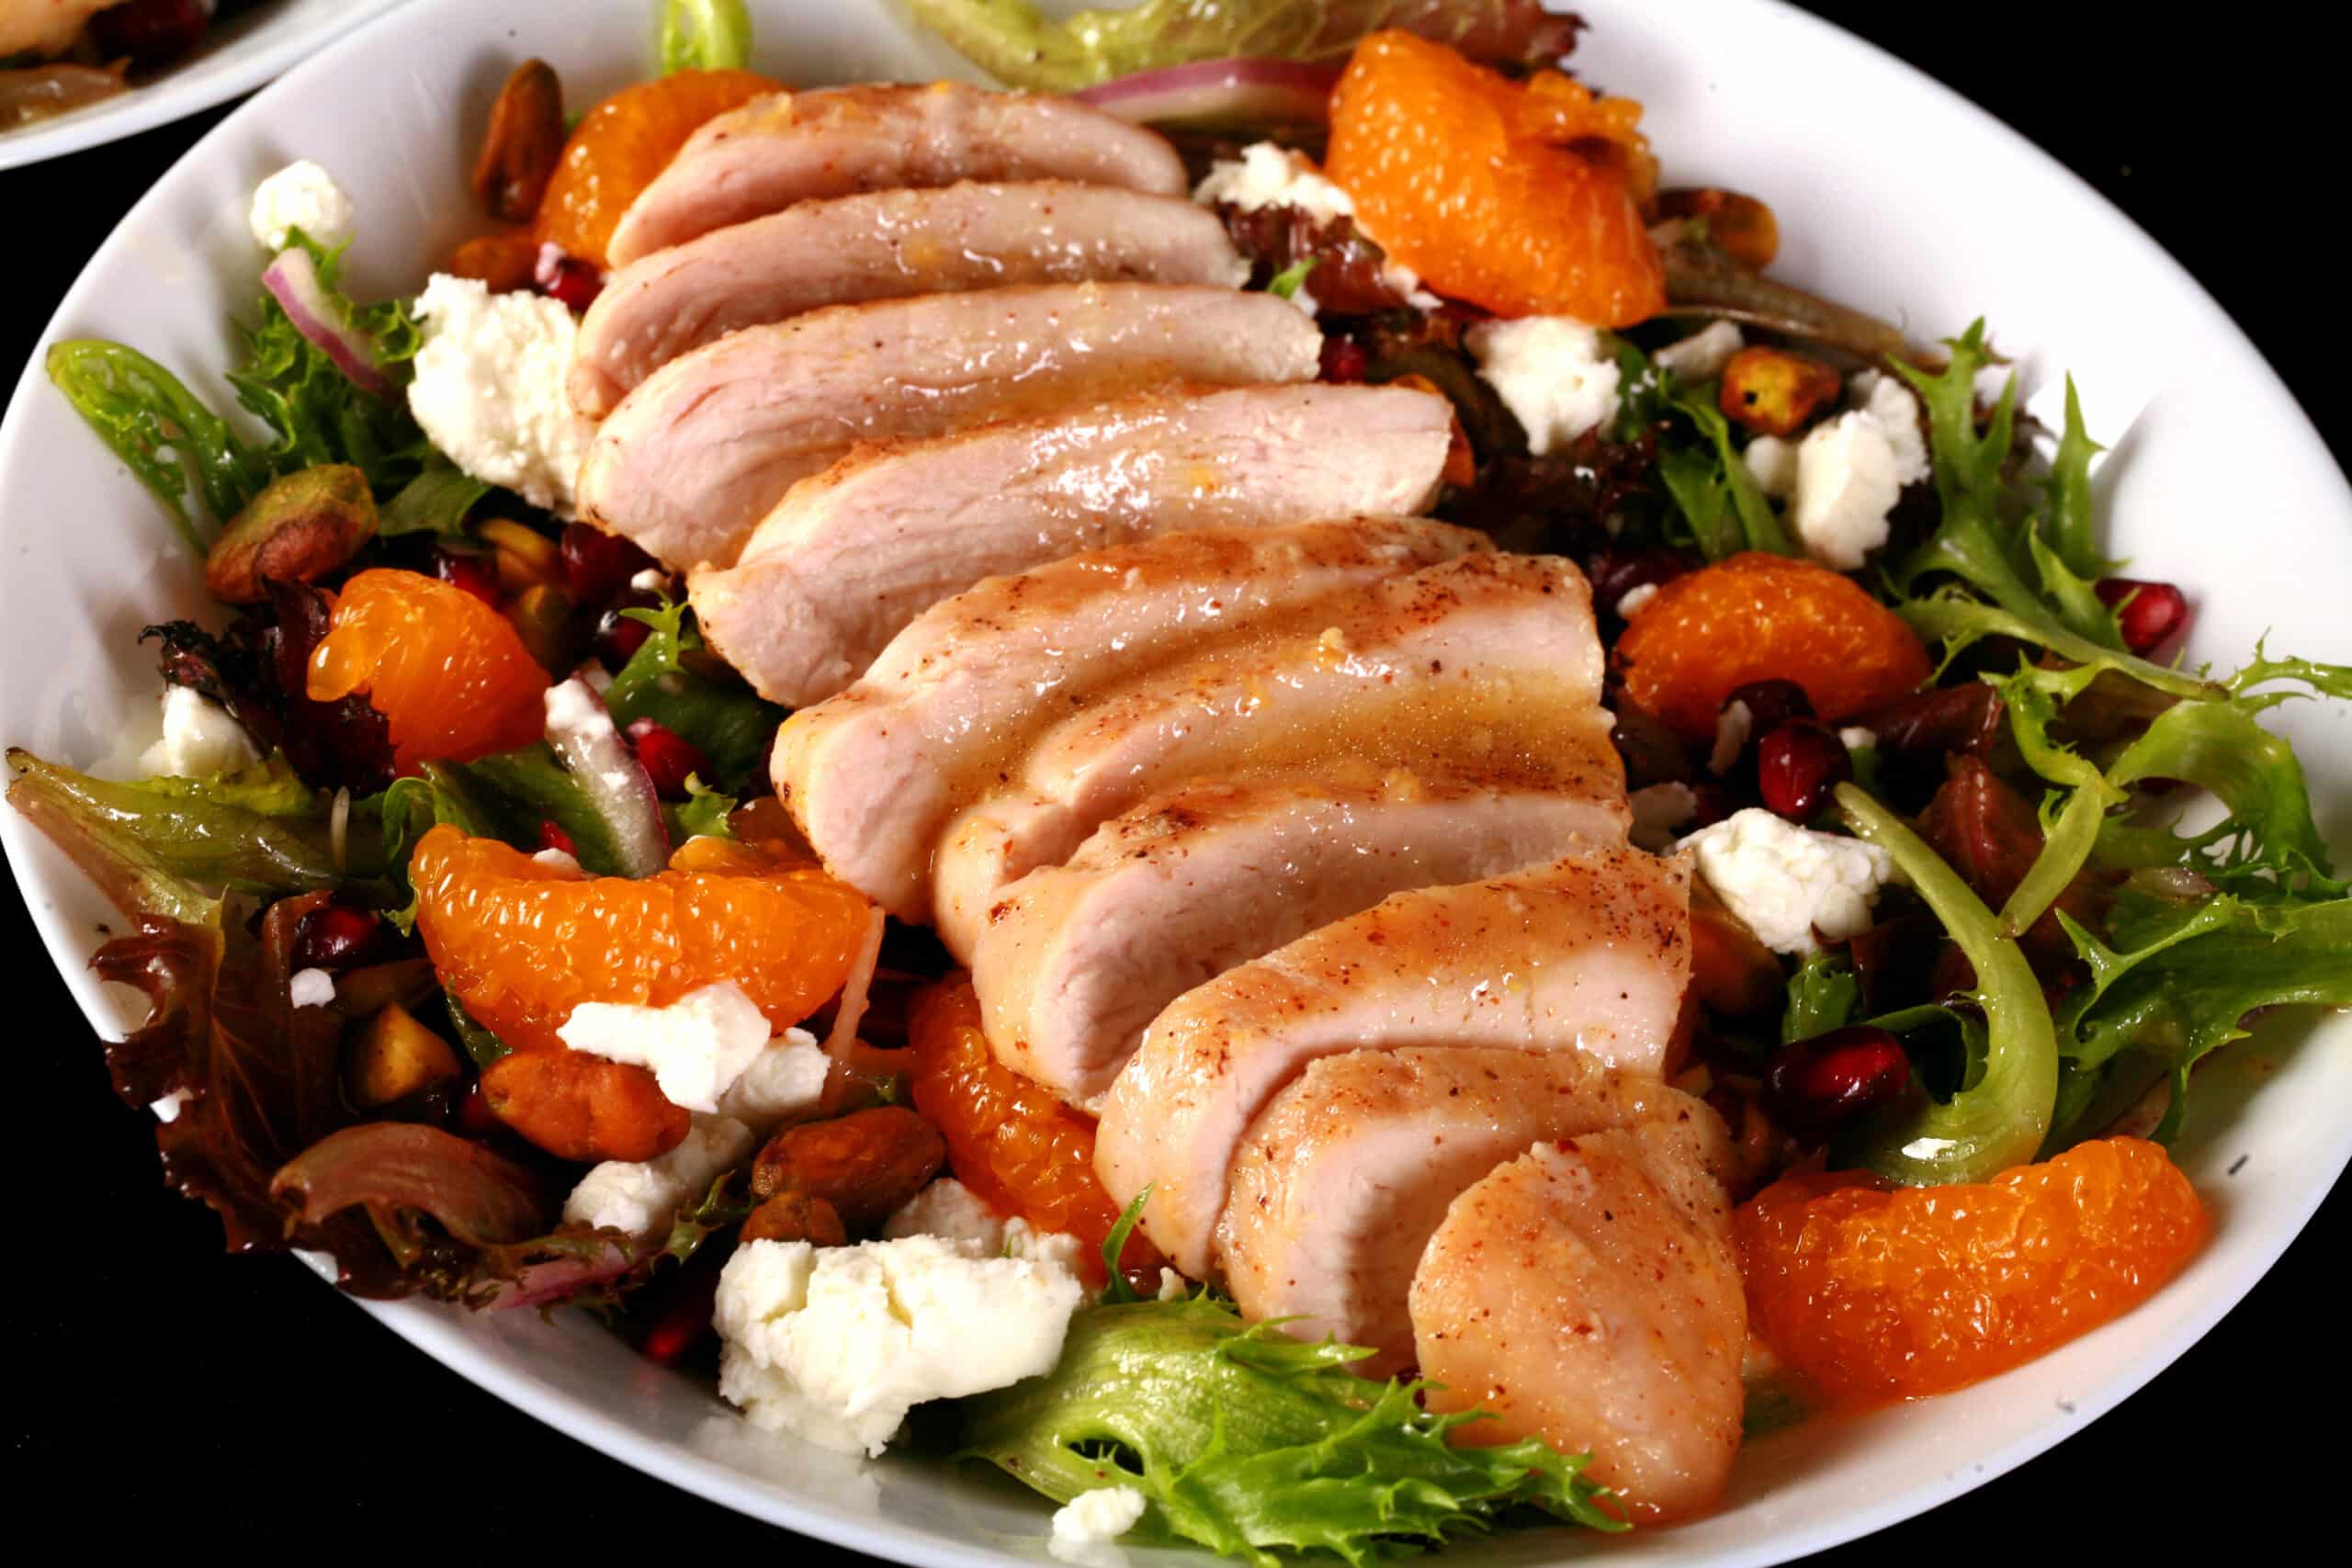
x: 705, y: 34
x: 437, y: 502
x: 1249, y: 1442
x: 1013, y: 40
x: 167, y: 435
x: 1823, y: 994
x: 670, y: 679
x: 1998, y: 1118
x: 701, y: 815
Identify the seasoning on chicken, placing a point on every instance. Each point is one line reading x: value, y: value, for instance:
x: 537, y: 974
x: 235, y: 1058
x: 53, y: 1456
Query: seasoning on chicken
x: 690, y: 461
x: 853, y: 554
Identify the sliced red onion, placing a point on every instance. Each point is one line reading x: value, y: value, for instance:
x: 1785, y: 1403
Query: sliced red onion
x: 293, y: 281
x: 557, y: 1279
x: 608, y: 772
x: 1244, y: 91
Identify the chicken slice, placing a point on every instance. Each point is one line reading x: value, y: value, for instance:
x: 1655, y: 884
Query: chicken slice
x: 1590, y: 955
x: 1346, y: 1174
x: 887, y: 244
x: 873, y: 776
x: 848, y: 558
x: 1588, y: 1294
x: 1074, y: 960
x: 693, y: 459
x: 1487, y: 663
x: 795, y: 147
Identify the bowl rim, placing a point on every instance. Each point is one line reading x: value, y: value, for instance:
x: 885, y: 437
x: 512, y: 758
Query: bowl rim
x: 433, y: 1330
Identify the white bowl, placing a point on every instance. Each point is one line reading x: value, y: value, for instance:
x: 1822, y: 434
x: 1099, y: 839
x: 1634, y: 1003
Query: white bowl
x: 235, y: 57
x: 1871, y: 218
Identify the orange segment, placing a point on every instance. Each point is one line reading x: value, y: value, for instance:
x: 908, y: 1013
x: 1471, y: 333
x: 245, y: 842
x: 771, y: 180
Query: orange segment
x: 1521, y: 197
x: 523, y: 943
x: 448, y: 673
x: 1871, y: 1294
x: 1759, y: 616
x: 623, y: 142
x: 1009, y: 1140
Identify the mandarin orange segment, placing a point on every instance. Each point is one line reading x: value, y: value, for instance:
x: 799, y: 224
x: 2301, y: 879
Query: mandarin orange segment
x: 1759, y: 616
x: 623, y: 142
x: 523, y: 943
x: 1869, y: 1293
x: 1009, y: 1139
x: 448, y: 673
x: 1523, y: 198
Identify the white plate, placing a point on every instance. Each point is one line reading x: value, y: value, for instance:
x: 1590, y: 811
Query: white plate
x: 1873, y: 219
x: 235, y: 57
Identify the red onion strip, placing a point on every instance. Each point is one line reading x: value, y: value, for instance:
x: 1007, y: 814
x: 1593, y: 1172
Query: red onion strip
x: 293, y: 281
x: 1220, y: 92
x: 608, y: 772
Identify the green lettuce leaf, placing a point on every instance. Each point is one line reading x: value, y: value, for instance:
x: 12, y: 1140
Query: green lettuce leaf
x: 1284, y: 284
x: 701, y: 815
x: 1823, y: 994
x: 671, y: 680
x: 163, y: 432
x: 2074, y: 535
x: 1250, y: 1443
x: 705, y: 34
x: 437, y: 502
x: 1711, y: 484
x: 1013, y: 42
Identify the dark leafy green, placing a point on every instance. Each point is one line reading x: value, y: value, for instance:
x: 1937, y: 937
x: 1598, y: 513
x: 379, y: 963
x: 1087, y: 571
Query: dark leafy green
x: 162, y: 431
x: 1823, y: 994
x: 673, y: 679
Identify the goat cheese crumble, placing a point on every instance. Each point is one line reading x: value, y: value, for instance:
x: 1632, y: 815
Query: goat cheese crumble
x: 949, y: 1211
x: 1093, y: 1518
x: 301, y: 196
x: 835, y: 1345
x: 199, y: 739
x: 1552, y: 372
x: 1702, y: 355
x: 1842, y: 481
x: 311, y: 989
x: 1268, y: 175
x: 1786, y: 882
x: 490, y: 388
x: 695, y: 1047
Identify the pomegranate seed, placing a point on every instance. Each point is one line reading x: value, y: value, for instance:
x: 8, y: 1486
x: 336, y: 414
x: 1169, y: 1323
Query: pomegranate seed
x: 1616, y: 573
x: 1771, y: 703
x: 335, y: 937
x: 1344, y: 360
x: 476, y: 571
x: 618, y: 636
x: 553, y: 837
x: 569, y: 279
x: 150, y: 32
x: 667, y: 757
x: 597, y: 565
x: 473, y: 1115
x: 2153, y: 611
x: 685, y: 1322
x: 1796, y: 767
x: 1819, y: 1082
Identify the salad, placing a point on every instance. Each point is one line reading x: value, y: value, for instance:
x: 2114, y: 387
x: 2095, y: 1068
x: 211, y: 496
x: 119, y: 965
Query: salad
x: 57, y: 55
x: 682, y: 812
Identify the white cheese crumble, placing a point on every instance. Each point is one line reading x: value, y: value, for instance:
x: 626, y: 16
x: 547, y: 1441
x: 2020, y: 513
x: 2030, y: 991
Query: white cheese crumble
x: 301, y: 196
x: 1785, y: 881
x: 199, y: 739
x: 784, y: 1080
x: 490, y: 388
x: 1268, y: 175
x: 949, y: 1211
x: 1851, y: 471
x: 837, y: 1344
x: 1733, y: 726
x: 653, y: 579
x: 1660, y: 811
x: 311, y: 989
x: 1635, y: 600
x: 695, y: 1047
x: 1703, y: 353
x: 168, y: 1108
x: 1772, y: 464
x: 558, y: 860
x: 1854, y: 738
x: 642, y: 1196
x: 1551, y: 372
x: 1093, y: 1518
x: 1173, y: 1287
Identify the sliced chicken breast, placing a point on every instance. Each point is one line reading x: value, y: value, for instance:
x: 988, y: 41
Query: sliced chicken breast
x: 1346, y: 1174
x: 885, y: 245
x: 1487, y: 663
x: 873, y: 776
x: 1588, y: 1294
x: 796, y: 147
x: 1588, y: 954
x: 702, y: 449
x: 1074, y: 960
x: 848, y: 558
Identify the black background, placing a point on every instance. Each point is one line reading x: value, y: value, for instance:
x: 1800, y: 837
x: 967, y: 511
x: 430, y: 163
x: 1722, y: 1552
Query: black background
x: 157, y: 1392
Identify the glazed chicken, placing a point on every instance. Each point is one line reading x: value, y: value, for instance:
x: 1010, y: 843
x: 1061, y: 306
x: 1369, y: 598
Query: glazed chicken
x: 690, y: 461
x: 1477, y: 662
x: 873, y: 776
x: 1588, y: 1294
x: 887, y: 244
x: 1589, y: 954
x: 848, y: 558
x: 794, y: 147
